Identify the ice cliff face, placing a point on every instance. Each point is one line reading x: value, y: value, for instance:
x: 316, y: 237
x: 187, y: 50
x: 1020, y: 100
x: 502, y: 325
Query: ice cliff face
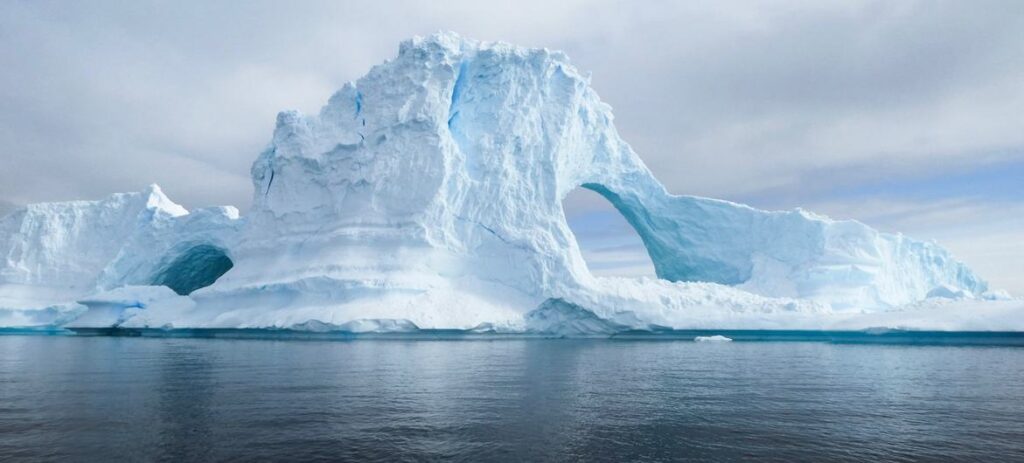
x: 57, y: 253
x: 430, y: 190
x: 59, y: 249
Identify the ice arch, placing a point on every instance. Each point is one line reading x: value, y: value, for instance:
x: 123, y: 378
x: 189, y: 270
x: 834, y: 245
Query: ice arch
x: 687, y: 238
x: 609, y: 244
x: 197, y: 267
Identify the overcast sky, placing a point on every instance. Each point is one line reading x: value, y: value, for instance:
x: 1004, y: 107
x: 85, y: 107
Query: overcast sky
x: 908, y: 116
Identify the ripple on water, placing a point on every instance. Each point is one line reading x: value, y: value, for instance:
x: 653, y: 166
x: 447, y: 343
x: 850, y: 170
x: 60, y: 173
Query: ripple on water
x: 102, y: 398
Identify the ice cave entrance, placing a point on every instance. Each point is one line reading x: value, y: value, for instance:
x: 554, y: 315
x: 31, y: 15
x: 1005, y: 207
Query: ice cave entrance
x: 610, y: 245
x: 197, y: 267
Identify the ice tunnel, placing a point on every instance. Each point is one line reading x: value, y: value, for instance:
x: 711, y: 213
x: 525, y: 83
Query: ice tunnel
x: 197, y: 267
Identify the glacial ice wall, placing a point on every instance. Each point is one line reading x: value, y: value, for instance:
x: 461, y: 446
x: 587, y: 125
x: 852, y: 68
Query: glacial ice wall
x: 56, y: 250
x: 430, y: 191
x: 55, y: 254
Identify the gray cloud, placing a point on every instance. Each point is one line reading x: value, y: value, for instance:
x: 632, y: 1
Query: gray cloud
x: 765, y: 97
x: 720, y: 99
x: 6, y: 207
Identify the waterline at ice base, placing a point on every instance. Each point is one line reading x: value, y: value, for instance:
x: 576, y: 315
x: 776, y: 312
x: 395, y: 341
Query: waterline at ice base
x: 428, y: 195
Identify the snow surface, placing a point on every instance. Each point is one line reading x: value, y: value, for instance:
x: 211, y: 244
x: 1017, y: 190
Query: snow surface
x: 427, y: 194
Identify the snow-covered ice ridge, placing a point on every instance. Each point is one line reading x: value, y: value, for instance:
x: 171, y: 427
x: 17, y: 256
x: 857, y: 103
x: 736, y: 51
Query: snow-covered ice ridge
x: 428, y: 194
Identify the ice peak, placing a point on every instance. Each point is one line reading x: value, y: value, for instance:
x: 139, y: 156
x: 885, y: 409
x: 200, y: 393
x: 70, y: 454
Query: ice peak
x: 446, y: 41
x: 157, y: 200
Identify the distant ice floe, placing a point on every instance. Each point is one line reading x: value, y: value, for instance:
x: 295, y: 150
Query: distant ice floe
x: 715, y: 338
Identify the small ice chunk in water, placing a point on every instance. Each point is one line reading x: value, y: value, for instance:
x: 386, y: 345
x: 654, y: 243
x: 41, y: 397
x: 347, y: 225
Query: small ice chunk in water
x: 715, y: 338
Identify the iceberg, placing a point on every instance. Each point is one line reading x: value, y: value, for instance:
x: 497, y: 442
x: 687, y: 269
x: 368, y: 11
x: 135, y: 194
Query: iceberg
x: 427, y: 195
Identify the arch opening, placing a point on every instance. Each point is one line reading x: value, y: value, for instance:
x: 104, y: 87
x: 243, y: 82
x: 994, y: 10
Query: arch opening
x: 197, y: 267
x: 609, y: 243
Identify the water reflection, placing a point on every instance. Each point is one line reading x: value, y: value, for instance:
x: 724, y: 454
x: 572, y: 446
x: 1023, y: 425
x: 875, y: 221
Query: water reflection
x: 200, y: 399
x: 187, y: 388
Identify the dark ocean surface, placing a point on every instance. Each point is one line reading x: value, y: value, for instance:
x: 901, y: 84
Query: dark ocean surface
x: 99, y: 398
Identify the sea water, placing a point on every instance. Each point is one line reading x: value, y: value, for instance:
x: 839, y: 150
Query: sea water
x: 76, y: 398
